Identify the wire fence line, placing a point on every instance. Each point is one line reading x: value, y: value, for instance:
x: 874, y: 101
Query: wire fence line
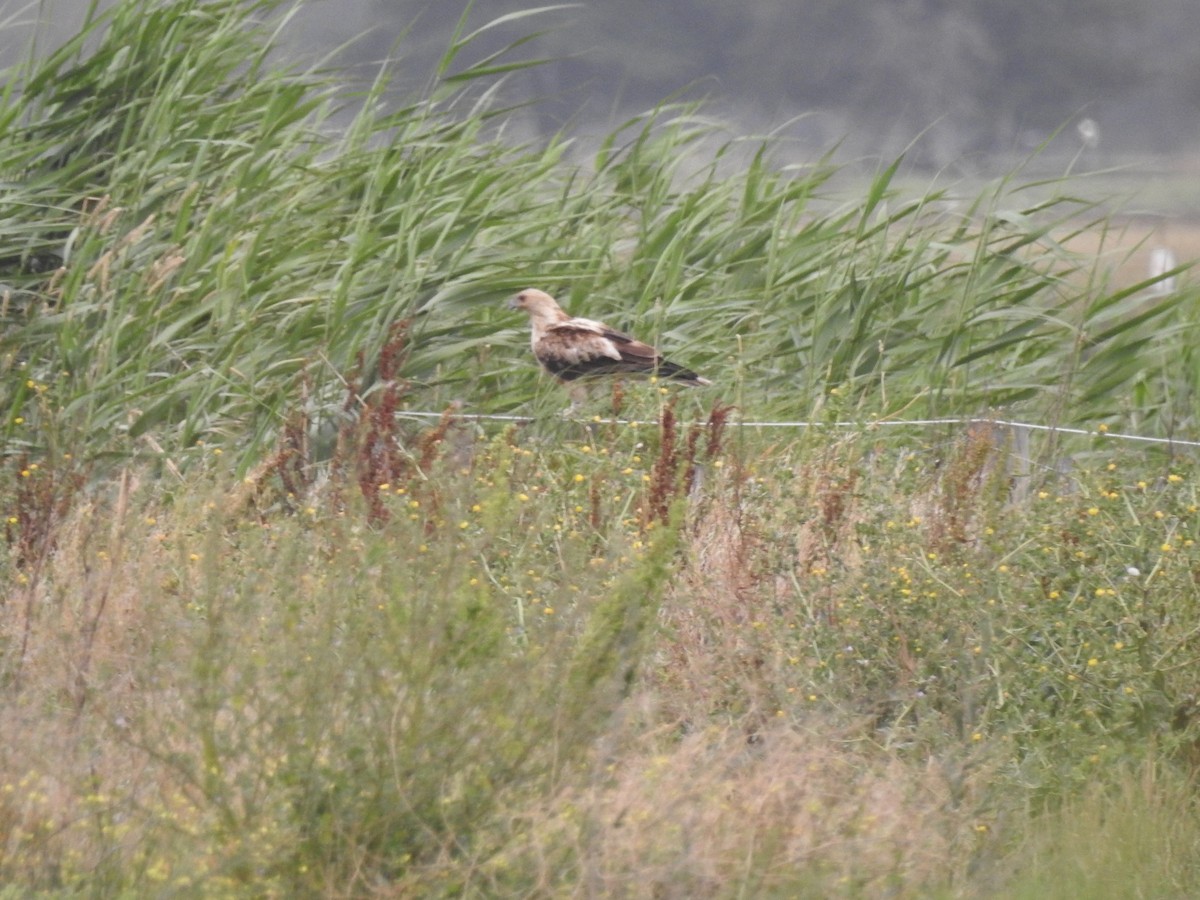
x: 848, y: 425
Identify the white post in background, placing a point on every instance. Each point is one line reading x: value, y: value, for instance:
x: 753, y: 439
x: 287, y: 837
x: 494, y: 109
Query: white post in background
x: 1162, y: 261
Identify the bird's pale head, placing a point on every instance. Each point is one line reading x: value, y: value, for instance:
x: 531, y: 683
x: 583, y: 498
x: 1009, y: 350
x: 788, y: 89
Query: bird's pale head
x: 538, y: 304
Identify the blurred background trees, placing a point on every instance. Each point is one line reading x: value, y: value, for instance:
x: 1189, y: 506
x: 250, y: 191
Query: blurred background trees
x: 977, y: 78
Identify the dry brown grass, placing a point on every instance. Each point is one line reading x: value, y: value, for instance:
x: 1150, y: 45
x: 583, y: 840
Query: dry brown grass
x: 810, y: 811
x: 95, y: 613
x: 800, y: 724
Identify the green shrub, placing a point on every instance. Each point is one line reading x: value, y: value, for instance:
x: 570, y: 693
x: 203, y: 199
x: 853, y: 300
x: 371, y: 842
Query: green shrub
x: 313, y: 700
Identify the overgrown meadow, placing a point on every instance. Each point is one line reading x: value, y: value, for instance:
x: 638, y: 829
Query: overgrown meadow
x: 290, y: 608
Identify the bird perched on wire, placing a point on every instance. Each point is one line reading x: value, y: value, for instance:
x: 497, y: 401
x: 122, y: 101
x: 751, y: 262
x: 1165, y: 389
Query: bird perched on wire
x: 571, y: 347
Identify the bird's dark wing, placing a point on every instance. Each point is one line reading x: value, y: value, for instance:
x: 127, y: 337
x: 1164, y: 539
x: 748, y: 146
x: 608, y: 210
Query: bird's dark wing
x: 581, y: 347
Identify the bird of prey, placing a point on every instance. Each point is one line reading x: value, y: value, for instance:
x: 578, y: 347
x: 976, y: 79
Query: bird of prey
x: 571, y: 347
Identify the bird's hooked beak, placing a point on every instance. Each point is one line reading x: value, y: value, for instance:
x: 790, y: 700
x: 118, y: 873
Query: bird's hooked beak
x: 513, y: 302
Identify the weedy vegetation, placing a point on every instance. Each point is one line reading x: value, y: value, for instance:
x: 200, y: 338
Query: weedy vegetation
x: 280, y: 619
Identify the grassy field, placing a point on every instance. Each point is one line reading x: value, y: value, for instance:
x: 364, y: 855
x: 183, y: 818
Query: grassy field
x: 1132, y: 243
x: 270, y: 630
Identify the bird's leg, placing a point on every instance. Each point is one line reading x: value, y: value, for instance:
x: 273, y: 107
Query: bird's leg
x: 578, y: 394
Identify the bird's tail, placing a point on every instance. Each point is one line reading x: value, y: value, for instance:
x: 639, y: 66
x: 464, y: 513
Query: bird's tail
x: 678, y: 373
